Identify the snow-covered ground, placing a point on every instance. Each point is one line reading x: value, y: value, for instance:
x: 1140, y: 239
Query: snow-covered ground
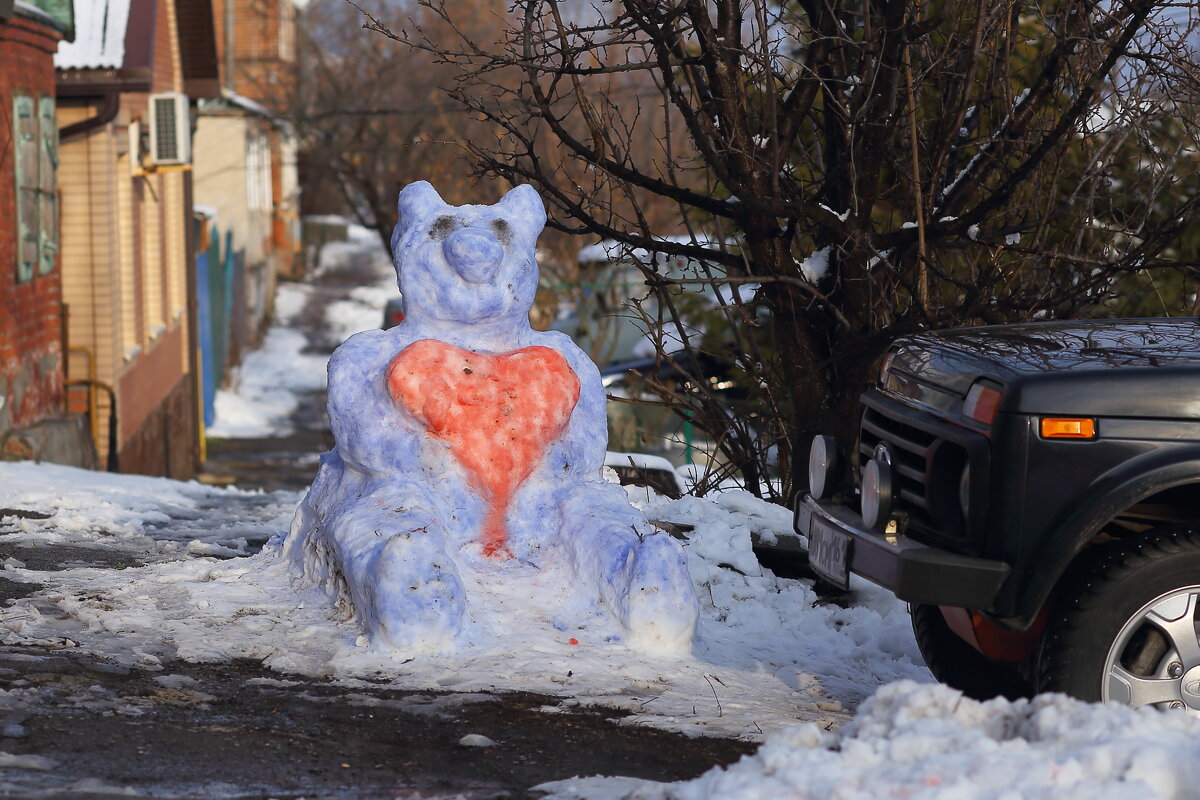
x: 769, y: 654
x: 838, y: 696
x: 771, y: 663
x: 266, y: 385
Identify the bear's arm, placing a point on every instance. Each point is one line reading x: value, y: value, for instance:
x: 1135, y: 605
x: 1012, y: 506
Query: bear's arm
x: 371, y: 432
x: 586, y: 437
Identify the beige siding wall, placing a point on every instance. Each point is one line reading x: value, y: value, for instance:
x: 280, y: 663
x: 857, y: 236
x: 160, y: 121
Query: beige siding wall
x: 91, y: 255
x: 131, y: 329
x: 124, y: 269
x: 152, y: 262
x: 175, y: 257
x: 221, y: 147
x: 176, y: 247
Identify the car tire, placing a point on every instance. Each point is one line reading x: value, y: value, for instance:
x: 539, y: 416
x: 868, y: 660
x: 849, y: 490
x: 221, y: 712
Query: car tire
x: 1122, y: 627
x: 959, y: 665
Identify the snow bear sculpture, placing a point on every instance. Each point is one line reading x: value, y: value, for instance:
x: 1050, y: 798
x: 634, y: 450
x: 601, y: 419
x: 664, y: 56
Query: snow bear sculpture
x: 467, y: 442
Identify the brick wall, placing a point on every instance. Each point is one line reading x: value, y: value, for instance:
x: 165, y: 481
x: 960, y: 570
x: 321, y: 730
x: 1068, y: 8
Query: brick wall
x: 165, y: 76
x: 31, y: 368
x: 164, y: 444
x: 264, y: 48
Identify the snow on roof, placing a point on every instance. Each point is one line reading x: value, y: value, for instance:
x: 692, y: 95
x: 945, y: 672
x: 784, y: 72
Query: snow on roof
x: 99, y: 36
x: 233, y: 101
x: 241, y: 101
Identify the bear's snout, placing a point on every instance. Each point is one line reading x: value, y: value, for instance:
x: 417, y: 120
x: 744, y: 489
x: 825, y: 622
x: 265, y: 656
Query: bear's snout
x: 474, y: 254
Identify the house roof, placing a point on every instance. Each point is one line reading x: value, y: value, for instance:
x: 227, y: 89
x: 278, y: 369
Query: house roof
x: 55, y: 13
x: 243, y: 102
x: 230, y: 103
x: 99, y: 36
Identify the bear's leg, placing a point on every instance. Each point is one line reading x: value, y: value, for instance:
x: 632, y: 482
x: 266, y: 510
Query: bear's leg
x: 660, y: 607
x: 637, y: 571
x: 417, y: 599
x: 404, y: 587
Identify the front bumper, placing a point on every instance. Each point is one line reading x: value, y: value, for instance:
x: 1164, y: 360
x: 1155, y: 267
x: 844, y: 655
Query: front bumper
x: 914, y: 572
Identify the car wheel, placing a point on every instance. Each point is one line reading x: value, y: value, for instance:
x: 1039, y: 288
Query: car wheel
x: 1124, y: 626
x: 956, y: 663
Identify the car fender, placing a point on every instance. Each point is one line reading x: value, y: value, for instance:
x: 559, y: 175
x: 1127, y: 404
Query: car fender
x: 1107, y: 496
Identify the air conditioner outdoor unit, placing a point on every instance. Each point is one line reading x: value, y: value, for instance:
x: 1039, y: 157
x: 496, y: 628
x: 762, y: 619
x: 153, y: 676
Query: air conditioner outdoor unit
x: 170, y: 129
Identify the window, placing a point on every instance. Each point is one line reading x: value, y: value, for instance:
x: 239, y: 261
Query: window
x: 48, y: 185
x: 258, y: 172
x: 36, y: 137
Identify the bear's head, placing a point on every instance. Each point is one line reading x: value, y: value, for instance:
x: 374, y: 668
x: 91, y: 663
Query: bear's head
x: 467, y: 264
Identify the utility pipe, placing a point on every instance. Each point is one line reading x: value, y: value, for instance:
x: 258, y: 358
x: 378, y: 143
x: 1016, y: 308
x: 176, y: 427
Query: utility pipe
x: 109, y: 106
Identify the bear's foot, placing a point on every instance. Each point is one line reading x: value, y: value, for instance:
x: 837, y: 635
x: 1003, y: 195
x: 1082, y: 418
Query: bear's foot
x: 418, y: 604
x: 657, y: 604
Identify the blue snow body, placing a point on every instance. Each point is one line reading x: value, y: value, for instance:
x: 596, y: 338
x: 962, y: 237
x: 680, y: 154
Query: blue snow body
x: 393, y: 519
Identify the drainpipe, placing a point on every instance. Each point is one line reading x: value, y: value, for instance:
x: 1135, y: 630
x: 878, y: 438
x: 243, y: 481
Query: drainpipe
x: 229, y: 60
x: 108, y: 112
x: 200, y: 452
x: 91, y: 384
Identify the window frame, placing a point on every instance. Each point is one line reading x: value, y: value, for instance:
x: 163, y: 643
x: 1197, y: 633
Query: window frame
x: 35, y: 179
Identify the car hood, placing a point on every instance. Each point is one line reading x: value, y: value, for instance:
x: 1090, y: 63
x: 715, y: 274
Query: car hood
x: 1134, y: 368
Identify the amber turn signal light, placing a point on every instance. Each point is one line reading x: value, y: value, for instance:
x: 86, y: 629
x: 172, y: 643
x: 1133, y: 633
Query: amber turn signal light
x: 1068, y: 428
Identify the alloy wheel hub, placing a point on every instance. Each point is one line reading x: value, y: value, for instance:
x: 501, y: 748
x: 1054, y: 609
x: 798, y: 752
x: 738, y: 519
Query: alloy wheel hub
x: 1175, y: 682
x: 1189, y: 688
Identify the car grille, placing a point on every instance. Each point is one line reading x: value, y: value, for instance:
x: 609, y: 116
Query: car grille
x: 927, y: 463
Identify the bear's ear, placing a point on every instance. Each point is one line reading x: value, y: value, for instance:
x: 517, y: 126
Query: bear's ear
x: 523, y: 206
x: 416, y: 200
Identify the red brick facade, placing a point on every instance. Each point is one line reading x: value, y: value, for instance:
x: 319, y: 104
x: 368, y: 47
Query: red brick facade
x: 31, y: 325
x: 262, y: 62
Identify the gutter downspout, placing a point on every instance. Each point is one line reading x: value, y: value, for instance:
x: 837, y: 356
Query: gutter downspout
x: 229, y: 59
x: 108, y: 112
x: 200, y: 449
x: 91, y: 384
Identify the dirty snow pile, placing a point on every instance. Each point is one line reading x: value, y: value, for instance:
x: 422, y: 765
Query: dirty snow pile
x: 918, y: 741
x: 363, y: 309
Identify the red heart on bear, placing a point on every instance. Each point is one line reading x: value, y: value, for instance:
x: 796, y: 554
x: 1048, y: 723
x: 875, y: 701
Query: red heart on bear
x: 497, y: 412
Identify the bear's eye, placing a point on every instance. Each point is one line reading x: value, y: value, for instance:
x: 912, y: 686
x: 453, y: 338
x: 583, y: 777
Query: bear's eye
x: 441, y: 229
x: 502, y: 230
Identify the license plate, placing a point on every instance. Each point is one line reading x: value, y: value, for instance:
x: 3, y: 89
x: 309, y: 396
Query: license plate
x: 827, y: 550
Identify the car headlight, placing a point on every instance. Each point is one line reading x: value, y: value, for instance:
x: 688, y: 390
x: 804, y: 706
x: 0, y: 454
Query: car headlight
x: 822, y: 466
x: 982, y: 402
x: 877, y: 493
x: 886, y: 367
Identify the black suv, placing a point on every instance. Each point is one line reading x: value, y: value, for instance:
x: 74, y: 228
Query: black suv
x: 1033, y: 492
